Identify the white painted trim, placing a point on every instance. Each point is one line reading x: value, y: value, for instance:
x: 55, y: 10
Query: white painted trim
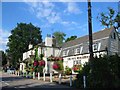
x: 99, y: 46
x: 82, y: 43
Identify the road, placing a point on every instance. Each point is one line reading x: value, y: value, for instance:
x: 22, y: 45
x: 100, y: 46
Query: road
x: 17, y: 83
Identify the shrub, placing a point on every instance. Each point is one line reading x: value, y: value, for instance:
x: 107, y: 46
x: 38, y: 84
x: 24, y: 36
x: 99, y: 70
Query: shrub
x: 101, y: 72
x: 68, y: 71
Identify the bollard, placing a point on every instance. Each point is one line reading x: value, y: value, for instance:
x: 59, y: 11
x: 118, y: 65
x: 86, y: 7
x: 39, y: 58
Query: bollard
x: 38, y: 75
x: 60, y: 78
x: 44, y: 76
x: 18, y: 73
x: 50, y: 77
x: 26, y: 75
x: 33, y: 75
x: 70, y: 80
x: 15, y: 72
x: 23, y: 74
x: 84, y: 81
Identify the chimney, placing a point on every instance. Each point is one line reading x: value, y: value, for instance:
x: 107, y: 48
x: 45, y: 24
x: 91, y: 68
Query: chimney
x: 49, y: 40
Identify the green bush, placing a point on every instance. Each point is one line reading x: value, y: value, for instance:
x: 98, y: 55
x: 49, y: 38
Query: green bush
x: 68, y: 71
x: 101, y: 72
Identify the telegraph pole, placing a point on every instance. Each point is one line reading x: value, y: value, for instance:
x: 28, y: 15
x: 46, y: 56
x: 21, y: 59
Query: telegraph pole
x: 90, y: 30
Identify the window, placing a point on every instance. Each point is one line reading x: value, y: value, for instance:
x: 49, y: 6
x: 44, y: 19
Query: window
x: 81, y: 49
x: 65, y: 53
x: 74, y: 62
x: 114, y: 35
x: 95, y: 47
x: 78, y: 50
x: 77, y: 62
x: 99, y: 46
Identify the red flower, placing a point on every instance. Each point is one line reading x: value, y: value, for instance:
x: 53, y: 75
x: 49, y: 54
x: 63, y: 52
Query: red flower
x: 55, y: 66
x: 35, y: 63
x: 75, y: 68
x: 42, y: 63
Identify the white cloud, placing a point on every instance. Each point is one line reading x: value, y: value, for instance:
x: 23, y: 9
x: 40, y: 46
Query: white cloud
x: 79, y: 27
x: 3, y: 39
x: 65, y: 23
x: 73, y: 8
x: 69, y: 23
x: 45, y: 10
x: 54, y: 18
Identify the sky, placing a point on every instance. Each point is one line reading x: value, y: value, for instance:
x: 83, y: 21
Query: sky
x: 68, y: 17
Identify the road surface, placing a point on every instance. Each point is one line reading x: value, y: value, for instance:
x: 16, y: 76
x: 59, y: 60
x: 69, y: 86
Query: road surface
x: 17, y: 83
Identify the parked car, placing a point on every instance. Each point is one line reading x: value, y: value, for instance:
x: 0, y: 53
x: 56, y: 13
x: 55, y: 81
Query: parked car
x: 11, y: 70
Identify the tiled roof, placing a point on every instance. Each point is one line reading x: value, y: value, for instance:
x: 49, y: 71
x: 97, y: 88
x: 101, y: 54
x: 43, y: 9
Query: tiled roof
x: 83, y: 41
x: 97, y: 35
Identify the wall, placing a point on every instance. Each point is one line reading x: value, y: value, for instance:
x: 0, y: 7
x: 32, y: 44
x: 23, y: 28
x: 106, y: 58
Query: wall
x: 114, y: 44
x: 82, y: 59
x: 22, y: 67
x: 27, y: 54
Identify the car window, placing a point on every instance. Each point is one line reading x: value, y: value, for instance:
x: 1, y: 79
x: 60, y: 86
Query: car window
x: 12, y: 69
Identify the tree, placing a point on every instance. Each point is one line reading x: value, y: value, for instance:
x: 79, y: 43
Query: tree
x: 59, y: 36
x: 3, y: 57
x: 21, y: 36
x: 111, y: 19
x: 106, y: 73
x: 70, y: 38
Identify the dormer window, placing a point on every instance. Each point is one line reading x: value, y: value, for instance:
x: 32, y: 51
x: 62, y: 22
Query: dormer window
x: 95, y: 47
x: 65, y: 53
x: 81, y: 49
x: 78, y: 50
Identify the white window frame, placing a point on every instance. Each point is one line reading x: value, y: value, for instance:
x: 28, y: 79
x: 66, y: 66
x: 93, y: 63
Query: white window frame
x: 77, y: 51
x: 81, y: 49
x: 65, y: 53
x: 95, y: 47
x: 99, y: 46
x: 77, y: 62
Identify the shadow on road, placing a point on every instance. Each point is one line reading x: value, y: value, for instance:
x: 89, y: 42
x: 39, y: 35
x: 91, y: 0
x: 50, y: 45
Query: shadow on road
x: 12, y: 78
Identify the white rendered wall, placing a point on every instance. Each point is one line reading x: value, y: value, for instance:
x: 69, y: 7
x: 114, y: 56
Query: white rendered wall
x: 84, y: 59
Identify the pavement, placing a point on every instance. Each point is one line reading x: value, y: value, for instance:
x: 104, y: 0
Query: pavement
x: 8, y: 81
